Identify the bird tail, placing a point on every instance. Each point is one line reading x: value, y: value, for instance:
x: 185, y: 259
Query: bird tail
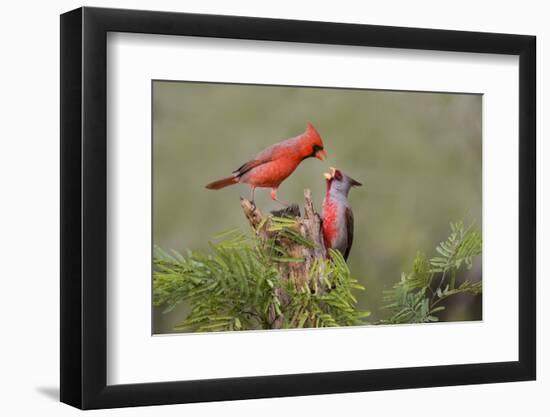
x: 225, y: 182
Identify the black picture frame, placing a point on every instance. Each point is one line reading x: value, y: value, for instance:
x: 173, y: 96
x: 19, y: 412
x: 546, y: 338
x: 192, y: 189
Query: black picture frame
x: 84, y: 207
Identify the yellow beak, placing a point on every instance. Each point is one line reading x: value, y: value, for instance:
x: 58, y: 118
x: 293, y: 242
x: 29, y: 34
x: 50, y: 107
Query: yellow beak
x: 330, y: 175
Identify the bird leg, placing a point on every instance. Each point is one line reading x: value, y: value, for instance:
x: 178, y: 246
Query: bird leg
x: 252, y: 196
x: 274, y: 197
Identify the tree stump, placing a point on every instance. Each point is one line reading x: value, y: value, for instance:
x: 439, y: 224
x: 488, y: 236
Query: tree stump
x: 309, y: 226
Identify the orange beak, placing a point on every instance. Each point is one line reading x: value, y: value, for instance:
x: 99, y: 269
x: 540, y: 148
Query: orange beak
x: 320, y: 155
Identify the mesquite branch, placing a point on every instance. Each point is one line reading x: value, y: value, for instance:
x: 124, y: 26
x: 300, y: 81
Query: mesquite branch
x: 306, y: 271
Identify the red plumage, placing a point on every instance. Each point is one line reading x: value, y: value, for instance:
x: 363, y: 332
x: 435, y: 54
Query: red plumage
x: 273, y: 165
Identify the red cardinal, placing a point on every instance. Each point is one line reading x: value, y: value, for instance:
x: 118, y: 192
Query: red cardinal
x: 337, y: 214
x: 273, y: 165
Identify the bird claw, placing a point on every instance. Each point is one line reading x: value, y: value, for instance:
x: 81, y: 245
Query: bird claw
x: 274, y: 198
x: 283, y: 203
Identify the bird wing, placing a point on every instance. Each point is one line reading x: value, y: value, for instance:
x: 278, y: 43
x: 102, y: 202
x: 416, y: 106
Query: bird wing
x: 276, y: 151
x: 244, y: 168
x: 349, y: 227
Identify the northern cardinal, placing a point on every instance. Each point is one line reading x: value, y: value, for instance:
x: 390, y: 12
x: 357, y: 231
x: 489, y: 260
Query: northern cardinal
x: 337, y: 214
x: 273, y: 165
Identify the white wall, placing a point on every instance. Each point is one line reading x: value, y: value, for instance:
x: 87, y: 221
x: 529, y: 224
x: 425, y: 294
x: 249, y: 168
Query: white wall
x: 29, y: 174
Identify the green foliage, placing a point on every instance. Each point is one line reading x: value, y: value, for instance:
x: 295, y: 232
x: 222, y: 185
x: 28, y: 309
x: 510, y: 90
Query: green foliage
x: 328, y: 304
x: 415, y: 299
x: 237, y: 286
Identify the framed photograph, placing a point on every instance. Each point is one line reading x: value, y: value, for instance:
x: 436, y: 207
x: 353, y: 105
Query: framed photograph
x: 258, y: 208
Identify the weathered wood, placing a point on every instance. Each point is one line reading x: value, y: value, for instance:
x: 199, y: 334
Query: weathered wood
x: 309, y: 225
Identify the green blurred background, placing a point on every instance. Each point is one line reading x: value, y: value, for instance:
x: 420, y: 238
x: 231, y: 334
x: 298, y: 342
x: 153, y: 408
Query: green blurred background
x: 418, y: 156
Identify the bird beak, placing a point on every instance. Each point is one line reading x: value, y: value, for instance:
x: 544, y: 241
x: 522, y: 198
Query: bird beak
x: 330, y: 175
x: 320, y: 155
